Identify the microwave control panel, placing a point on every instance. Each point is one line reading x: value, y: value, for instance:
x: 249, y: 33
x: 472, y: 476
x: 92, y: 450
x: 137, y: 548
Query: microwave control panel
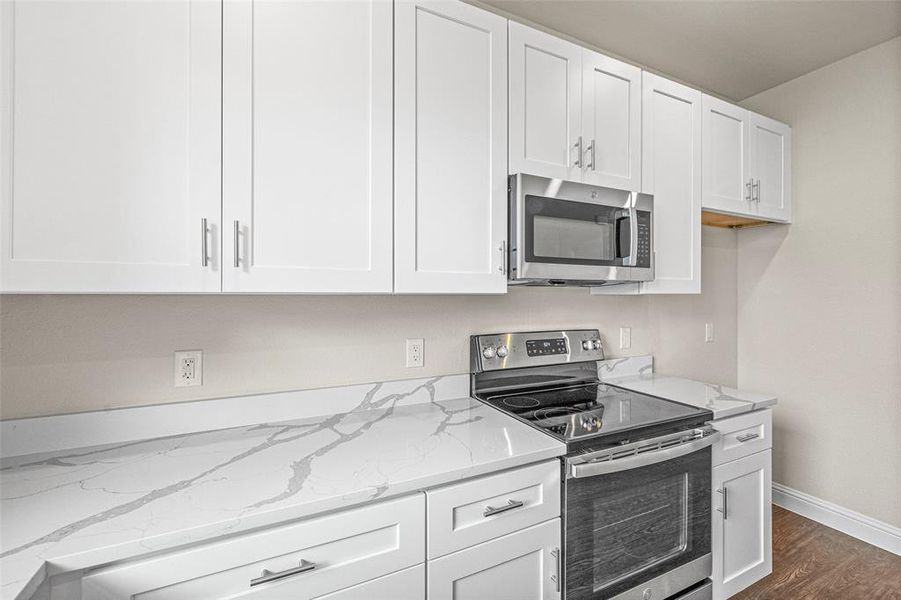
x: 644, y: 239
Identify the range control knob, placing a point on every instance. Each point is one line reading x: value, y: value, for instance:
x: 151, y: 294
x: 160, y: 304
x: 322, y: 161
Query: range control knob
x: 501, y: 351
x: 596, y: 344
x: 586, y: 345
x: 488, y: 352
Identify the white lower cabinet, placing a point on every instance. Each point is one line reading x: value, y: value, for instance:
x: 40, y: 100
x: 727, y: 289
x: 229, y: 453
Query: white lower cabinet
x: 520, y: 566
x: 742, y: 523
x: 408, y: 584
x: 303, y: 560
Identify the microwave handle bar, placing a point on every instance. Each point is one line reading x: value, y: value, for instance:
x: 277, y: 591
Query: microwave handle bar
x: 591, y: 469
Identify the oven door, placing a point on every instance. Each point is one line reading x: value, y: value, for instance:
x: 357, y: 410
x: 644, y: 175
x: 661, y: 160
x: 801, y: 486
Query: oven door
x: 570, y: 231
x: 637, y: 523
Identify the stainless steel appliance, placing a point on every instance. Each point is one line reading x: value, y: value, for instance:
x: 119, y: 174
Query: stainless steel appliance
x: 568, y: 233
x: 637, y: 498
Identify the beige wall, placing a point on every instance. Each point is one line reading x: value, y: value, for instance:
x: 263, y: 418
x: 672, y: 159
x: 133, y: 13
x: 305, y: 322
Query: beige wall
x: 819, y: 311
x: 74, y: 353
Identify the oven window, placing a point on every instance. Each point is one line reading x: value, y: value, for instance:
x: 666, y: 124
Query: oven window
x: 628, y: 527
x: 579, y: 233
x: 639, y: 527
x: 565, y: 238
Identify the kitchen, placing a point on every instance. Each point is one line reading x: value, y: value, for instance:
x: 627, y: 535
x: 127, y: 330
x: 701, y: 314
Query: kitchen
x: 432, y: 299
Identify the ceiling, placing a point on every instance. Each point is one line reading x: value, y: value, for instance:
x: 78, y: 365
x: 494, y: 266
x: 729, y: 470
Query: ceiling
x: 733, y: 48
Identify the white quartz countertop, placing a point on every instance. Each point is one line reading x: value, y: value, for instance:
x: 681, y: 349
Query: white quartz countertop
x: 723, y: 401
x: 80, y: 508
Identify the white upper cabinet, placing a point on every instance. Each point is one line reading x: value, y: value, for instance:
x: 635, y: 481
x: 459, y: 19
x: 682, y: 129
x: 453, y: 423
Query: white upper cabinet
x: 671, y: 170
x: 450, y: 148
x: 770, y: 168
x: 747, y: 163
x: 727, y: 180
x: 611, y: 122
x: 307, y: 198
x: 110, y: 153
x: 545, y: 104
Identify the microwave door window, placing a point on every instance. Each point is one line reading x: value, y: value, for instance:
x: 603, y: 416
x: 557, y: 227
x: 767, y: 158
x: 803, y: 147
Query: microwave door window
x: 557, y: 237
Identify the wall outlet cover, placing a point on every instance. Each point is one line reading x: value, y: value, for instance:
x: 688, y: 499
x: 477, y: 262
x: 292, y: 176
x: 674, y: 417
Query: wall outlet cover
x: 708, y: 332
x: 625, y: 338
x: 188, y: 368
x: 415, y: 353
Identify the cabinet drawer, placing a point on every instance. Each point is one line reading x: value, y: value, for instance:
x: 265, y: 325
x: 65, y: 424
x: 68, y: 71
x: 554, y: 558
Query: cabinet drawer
x: 340, y: 550
x: 408, y: 584
x: 743, y: 435
x: 475, y: 511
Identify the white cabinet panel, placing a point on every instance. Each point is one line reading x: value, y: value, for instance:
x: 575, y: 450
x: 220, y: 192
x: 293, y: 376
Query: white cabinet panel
x: 726, y: 157
x: 111, y: 145
x: 519, y: 566
x: 408, y: 584
x: 611, y: 122
x: 743, y: 435
x: 770, y: 168
x: 451, y: 148
x: 307, y: 146
x: 545, y: 104
x: 742, y: 523
x: 467, y: 513
x: 345, y: 549
x: 671, y: 170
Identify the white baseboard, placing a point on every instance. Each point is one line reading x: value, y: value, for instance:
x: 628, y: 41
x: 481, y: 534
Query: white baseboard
x: 862, y: 527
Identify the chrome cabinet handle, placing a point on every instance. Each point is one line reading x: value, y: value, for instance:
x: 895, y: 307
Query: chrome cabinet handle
x: 755, y: 197
x: 266, y: 576
x: 578, y: 146
x: 556, y: 576
x: 204, y: 246
x: 237, y: 244
x: 747, y: 437
x: 725, y: 493
x: 748, y: 187
x: 591, y: 154
x: 505, y: 267
x: 490, y: 511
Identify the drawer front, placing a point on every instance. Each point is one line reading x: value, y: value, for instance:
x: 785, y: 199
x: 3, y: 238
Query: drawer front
x: 468, y: 513
x: 337, y: 551
x: 408, y: 584
x: 743, y: 435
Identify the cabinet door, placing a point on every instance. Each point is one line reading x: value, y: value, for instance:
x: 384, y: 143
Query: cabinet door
x: 451, y: 148
x: 771, y: 168
x: 671, y: 170
x: 307, y: 146
x: 520, y: 566
x: 742, y: 523
x: 110, y: 146
x: 611, y: 122
x: 408, y: 584
x: 727, y: 180
x: 545, y: 104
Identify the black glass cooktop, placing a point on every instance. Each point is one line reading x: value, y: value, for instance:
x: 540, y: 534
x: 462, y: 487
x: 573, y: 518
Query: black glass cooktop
x: 589, y: 410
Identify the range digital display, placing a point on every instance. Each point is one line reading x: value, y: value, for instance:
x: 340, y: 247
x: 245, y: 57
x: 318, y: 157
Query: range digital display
x: 546, y: 347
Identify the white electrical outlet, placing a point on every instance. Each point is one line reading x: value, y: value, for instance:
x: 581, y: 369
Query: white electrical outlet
x: 188, y: 368
x: 708, y: 332
x: 625, y: 338
x: 415, y: 352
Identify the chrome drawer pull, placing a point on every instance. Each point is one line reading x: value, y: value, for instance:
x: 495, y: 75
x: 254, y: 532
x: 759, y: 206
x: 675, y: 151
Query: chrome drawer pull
x: 747, y: 437
x: 490, y: 511
x: 556, y: 576
x: 268, y: 575
x: 204, y: 248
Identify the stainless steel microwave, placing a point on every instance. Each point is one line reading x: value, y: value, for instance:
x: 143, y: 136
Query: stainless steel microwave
x: 568, y: 233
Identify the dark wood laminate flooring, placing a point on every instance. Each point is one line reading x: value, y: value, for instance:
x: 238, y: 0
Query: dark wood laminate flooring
x: 812, y: 561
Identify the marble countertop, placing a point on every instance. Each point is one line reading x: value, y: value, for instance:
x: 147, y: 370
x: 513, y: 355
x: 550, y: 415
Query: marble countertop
x: 723, y: 401
x: 74, y: 509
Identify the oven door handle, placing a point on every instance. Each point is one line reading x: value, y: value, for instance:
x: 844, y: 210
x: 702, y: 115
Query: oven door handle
x: 590, y: 469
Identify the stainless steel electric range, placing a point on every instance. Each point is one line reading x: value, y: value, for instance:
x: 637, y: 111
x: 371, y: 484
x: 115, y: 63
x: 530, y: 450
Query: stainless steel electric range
x: 636, y: 474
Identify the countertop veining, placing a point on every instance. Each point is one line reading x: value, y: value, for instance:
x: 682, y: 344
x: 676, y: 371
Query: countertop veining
x: 75, y: 509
